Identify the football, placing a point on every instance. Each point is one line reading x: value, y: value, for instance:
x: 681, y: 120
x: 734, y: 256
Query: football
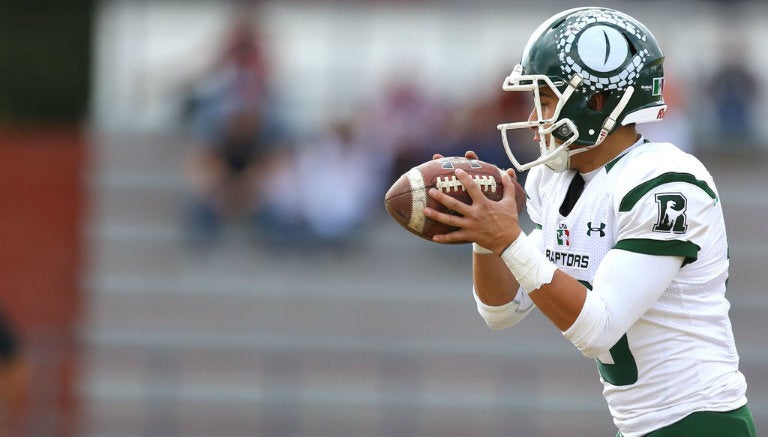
x: 406, y: 199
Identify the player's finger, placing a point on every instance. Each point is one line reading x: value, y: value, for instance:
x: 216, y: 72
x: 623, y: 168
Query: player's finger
x: 470, y: 154
x: 517, y: 185
x: 509, y: 185
x: 451, y: 237
x: 437, y: 156
x: 469, y: 184
x: 512, y: 173
x: 452, y: 220
x: 448, y: 201
x: 521, y: 199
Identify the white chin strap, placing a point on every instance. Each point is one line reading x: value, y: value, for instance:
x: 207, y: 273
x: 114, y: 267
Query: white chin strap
x: 610, y: 121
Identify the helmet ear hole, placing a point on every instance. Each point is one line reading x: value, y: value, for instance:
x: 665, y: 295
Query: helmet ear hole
x: 597, y: 101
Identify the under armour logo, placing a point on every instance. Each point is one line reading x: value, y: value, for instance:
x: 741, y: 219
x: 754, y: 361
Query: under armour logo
x: 591, y: 229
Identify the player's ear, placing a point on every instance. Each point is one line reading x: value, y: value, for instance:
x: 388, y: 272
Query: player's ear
x: 597, y: 101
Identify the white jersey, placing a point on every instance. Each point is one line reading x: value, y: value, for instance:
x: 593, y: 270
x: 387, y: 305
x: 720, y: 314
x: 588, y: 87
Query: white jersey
x: 680, y: 356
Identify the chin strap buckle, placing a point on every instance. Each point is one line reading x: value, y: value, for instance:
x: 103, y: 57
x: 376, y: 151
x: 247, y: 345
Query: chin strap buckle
x: 610, y: 121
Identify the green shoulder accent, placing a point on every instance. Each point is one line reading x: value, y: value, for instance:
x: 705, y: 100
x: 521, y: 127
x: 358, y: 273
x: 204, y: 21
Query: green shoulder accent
x: 538, y: 226
x: 635, y: 194
x: 686, y: 249
x: 610, y: 165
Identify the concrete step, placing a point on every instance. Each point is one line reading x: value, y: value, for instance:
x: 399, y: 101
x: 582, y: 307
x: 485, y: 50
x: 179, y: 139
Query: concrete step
x: 195, y: 391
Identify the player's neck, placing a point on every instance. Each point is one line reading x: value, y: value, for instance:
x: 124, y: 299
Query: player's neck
x: 618, y: 141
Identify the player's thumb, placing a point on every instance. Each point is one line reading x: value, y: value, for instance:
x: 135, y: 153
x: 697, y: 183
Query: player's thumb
x: 515, y: 190
x: 511, y: 172
x: 508, y: 185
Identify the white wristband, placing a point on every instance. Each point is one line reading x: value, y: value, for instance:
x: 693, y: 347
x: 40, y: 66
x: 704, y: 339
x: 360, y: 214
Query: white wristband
x: 480, y: 249
x: 529, y: 266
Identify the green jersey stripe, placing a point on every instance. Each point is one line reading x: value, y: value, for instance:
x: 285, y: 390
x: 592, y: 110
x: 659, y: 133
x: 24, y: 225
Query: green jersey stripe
x: 686, y: 249
x: 635, y: 194
x: 610, y: 165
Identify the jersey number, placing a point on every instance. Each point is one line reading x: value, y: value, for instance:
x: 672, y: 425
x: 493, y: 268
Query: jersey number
x: 623, y: 371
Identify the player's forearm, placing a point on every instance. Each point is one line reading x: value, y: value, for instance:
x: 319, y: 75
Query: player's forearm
x: 494, y: 283
x: 559, y: 296
x: 500, y: 300
x: 561, y: 300
x: 503, y: 303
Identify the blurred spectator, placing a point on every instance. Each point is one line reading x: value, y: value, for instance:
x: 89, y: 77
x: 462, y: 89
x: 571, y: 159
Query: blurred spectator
x: 326, y: 191
x: 342, y: 196
x: 406, y: 122
x: 240, y: 66
x: 236, y: 134
x: 734, y: 90
x: 478, y: 130
x: 13, y: 381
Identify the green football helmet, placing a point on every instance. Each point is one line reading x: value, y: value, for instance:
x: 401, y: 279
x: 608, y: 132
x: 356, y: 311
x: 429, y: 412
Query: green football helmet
x: 578, y: 53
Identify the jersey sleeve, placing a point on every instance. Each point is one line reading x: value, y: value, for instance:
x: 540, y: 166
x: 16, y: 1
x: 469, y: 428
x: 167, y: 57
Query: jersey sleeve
x: 619, y: 298
x: 666, y: 212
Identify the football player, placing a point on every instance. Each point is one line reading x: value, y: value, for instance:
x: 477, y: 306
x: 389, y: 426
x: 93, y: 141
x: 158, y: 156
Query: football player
x: 629, y: 257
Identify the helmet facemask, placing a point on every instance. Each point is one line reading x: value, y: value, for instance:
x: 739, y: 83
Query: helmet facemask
x: 555, y: 152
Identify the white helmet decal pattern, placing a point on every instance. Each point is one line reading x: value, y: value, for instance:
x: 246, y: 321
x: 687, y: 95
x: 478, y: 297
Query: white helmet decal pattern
x: 601, y: 48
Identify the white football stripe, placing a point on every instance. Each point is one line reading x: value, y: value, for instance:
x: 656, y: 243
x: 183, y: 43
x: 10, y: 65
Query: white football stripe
x: 418, y: 200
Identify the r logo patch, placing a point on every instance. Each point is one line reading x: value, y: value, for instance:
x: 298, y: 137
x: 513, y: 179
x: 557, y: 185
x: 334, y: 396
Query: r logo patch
x: 671, y: 216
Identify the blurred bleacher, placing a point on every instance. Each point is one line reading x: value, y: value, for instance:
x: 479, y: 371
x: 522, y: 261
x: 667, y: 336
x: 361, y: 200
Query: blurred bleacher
x: 380, y: 339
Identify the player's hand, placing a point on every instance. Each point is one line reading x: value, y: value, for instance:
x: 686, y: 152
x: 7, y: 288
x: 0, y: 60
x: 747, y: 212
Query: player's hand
x: 493, y: 225
x: 469, y: 154
x: 520, y: 196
